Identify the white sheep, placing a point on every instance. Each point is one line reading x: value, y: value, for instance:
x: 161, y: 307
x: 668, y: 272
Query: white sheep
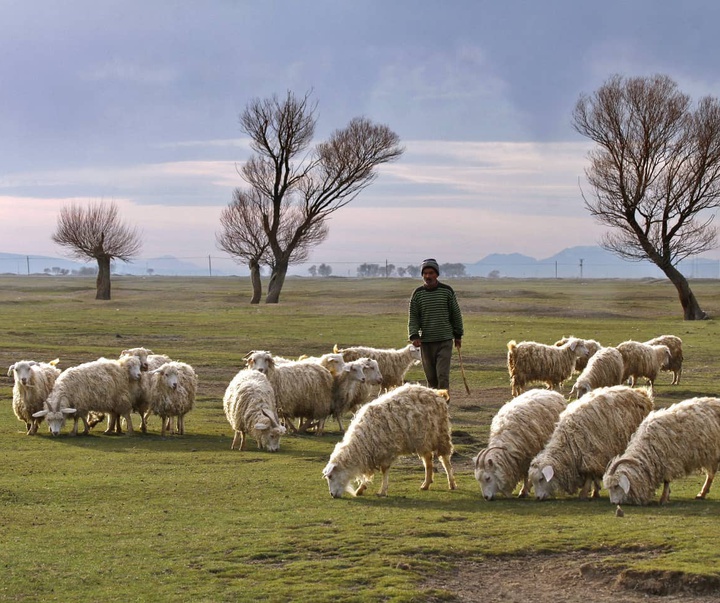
x: 592, y: 347
x: 250, y: 408
x: 373, y: 378
x: 393, y: 363
x: 674, y: 344
x: 530, y: 361
x: 519, y: 430
x: 141, y: 353
x: 643, y: 360
x: 348, y: 386
x: 55, y: 412
x: 171, y: 390
x: 411, y: 419
x: 303, y: 390
x: 604, y: 369
x: 589, y: 432
x: 33, y: 382
x: 103, y: 385
x: 333, y: 362
x: 670, y: 443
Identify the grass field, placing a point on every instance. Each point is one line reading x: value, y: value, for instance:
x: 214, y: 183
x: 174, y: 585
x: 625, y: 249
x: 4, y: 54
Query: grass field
x: 119, y: 518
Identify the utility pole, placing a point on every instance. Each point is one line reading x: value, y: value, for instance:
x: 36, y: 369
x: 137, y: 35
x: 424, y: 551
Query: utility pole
x: 210, y: 265
x: 581, y: 268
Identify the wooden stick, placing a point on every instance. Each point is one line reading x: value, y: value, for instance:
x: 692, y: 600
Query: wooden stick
x: 462, y: 370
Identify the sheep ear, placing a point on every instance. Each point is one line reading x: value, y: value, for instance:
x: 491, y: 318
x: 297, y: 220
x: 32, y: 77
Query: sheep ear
x: 68, y: 411
x: 548, y: 472
x: 10, y: 370
x: 624, y: 483
x: 262, y: 426
x: 40, y: 413
x: 328, y: 469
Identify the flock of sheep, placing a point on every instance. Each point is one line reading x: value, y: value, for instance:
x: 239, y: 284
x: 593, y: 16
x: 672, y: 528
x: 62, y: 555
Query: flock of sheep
x: 610, y: 435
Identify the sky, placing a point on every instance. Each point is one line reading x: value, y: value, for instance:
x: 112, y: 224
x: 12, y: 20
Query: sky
x: 137, y: 103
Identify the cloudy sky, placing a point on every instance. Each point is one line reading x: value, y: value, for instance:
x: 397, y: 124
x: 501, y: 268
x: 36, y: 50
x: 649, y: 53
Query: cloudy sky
x: 138, y: 103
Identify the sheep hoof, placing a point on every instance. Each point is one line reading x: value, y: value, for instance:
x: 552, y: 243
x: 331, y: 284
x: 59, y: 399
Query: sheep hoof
x: 700, y: 497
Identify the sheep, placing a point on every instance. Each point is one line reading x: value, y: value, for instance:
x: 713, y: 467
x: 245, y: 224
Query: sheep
x: 604, y: 369
x: 348, y: 386
x: 411, y: 419
x: 592, y: 347
x: 103, y: 385
x: 33, y: 383
x: 55, y: 412
x: 393, y: 363
x: 674, y: 344
x: 373, y: 378
x: 589, y: 432
x: 643, y: 360
x: 518, y: 432
x: 670, y: 443
x: 529, y: 361
x: 250, y: 408
x: 141, y: 353
x: 170, y: 390
x: 302, y: 389
x: 333, y: 362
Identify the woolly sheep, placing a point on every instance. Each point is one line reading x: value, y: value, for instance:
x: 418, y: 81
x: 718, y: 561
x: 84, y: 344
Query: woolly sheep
x: 33, y: 383
x: 55, y: 413
x: 670, y: 443
x: 530, y: 361
x: 411, y: 419
x: 101, y: 385
x: 592, y: 348
x: 643, y: 360
x: 604, y: 369
x: 348, y: 386
x: 589, y: 432
x: 393, y: 363
x: 249, y: 405
x: 333, y: 362
x: 518, y: 432
x: 674, y: 344
x: 373, y: 378
x: 303, y: 390
x: 171, y: 390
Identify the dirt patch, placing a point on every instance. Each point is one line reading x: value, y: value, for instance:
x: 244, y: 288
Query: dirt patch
x: 579, y: 576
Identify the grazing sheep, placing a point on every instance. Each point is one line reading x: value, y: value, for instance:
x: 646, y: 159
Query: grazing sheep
x: 55, y: 412
x: 518, y: 432
x: 171, y: 390
x: 249, y: 405
x: 592, y: 347
x: 670, y: 443
x: 103, y: 385
x: 674, y: 344
x: 33, y: 383
x: 303, y: 390
x: 393, y: 363
x: 643, y: 360
x: 589, y: 432
x: 529, y: 361
x: 604, y: 369
x: 411, y: 419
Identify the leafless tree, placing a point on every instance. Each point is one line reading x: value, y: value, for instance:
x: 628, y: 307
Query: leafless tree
x: 654, y: 173
x: 300, y: 186
x: 242, y: 234
x: 96, y: 232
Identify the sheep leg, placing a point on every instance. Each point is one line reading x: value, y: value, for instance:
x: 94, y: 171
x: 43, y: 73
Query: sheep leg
x: 239, y: 437
x: 384, y: 486
x: 427, y: 460
x: 445, y: 462
x: 706, y: 486
x: 74, y: 430
x: 361, y: 489
x: 320, y: 427
x: 181, y: 424
x: 163, y: 426
x: 339, y: 422
x: 525, y: 490
x: 143, y: 422
x: 665, y: 496
x: 243, y: 440
x: 128, y: 419
x: 585, y: 489
x: 597, y: 486
x: 113, y: 424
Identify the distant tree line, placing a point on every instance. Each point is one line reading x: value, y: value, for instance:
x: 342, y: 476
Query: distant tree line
x: 379, y: 270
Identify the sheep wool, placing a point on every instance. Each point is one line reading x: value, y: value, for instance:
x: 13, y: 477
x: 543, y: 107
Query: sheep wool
x: 674, y: 344
x: 33, y: 382
x: 604, y: 369
x: 643, y: 360
x: 393, y: 363
x: 171, y: 390
x: 592, y: 347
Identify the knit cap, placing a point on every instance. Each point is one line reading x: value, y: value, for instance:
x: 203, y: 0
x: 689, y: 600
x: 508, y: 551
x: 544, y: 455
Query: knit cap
x: 430, y: 263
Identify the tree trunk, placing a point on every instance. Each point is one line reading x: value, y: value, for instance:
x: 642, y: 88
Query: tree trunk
x: 277, y: 280
x: 103, y: 278
x: 690, y: 305
x: 256, y: 282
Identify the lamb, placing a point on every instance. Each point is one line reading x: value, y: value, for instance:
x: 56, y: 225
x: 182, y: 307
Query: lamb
x: 302, y: 389
x: 589, y: 432
x: 411, y: 419
x: 604, y: 369
x: 250, y: 408
x: 530, y: 361
x: 171, y: 390
x: 102, y: 385
x: 33, y: 383
x: 393, y: 363
x: 518, y: 432
x: 592, y: 347
x: 670, y: 443
x: 674, y: 344
x: 643, y: 360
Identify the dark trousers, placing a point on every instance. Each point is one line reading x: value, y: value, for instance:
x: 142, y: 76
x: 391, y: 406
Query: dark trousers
x: 436, y: 356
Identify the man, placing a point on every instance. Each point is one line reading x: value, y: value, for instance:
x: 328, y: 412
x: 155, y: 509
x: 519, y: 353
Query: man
x: 434, y: 322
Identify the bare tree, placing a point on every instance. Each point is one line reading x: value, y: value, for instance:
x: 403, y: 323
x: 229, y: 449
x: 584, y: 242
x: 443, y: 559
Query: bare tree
x: 654, y: 173
x: 96, y: 232
x: 306, y: 184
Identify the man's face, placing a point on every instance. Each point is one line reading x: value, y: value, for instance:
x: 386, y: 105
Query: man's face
x: 430, y: 277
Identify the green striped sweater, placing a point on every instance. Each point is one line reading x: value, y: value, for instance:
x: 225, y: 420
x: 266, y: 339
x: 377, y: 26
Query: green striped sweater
x: 434, y: 314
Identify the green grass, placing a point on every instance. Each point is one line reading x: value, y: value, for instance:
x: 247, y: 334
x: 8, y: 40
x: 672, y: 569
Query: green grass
x: 141, y: 518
